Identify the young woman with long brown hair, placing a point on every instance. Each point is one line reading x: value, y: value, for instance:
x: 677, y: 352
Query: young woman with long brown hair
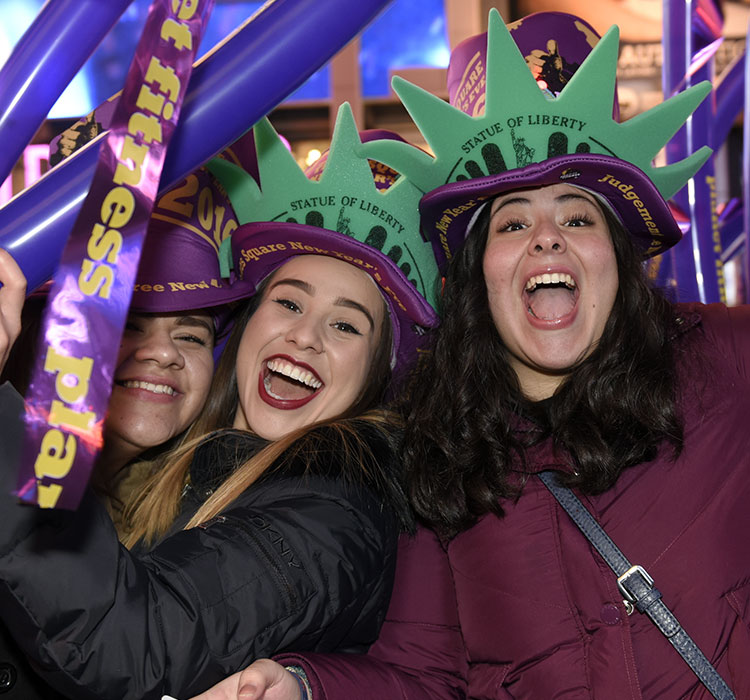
x: 274, y: 524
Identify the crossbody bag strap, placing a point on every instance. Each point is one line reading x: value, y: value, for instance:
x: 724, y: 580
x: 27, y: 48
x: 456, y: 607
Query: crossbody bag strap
x: 638, y: 588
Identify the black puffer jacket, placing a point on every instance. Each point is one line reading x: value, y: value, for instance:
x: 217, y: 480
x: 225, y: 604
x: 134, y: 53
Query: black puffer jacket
x: 303, y: 560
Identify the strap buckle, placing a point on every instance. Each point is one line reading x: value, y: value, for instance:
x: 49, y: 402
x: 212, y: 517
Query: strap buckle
x: 628, y: 597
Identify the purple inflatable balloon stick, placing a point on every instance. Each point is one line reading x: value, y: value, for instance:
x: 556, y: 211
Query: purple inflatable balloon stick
x: 54, y: 47
x: 232, y: 87
x: 732, y: 231
x: 730, y: 96
x: 706, y: 20
x: 696, y: 262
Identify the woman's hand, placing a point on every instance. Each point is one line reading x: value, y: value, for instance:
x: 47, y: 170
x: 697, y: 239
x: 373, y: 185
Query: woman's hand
x: 262, y: 680
x: 12, y: 295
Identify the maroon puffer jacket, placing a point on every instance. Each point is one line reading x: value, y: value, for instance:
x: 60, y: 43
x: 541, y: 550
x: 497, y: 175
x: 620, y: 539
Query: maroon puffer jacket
x: 537, y: 607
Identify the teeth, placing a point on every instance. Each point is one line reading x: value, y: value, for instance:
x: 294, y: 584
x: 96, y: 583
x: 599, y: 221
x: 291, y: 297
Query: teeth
x: 550, y: 278
x: 267, y: 384
x: 148, y: 386
x: 294, y: 372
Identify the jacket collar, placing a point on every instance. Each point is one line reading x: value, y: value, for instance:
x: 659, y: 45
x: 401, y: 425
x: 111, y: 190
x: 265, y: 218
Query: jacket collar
x: 220, y: 453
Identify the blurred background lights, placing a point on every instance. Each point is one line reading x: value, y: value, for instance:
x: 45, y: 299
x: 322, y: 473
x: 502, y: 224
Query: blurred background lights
x: 312, y: 155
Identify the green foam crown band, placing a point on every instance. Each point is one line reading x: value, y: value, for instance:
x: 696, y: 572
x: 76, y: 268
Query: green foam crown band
x: 521, y: 125
x: 344, y: 199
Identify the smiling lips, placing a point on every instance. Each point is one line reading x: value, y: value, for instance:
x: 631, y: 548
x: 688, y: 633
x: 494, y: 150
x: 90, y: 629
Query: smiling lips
x: 286, y: 384
x: 551, y: 299
x: 150, y: 387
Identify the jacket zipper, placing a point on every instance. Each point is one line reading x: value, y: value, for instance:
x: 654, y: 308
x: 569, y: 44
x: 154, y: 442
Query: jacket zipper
x: 277, y: 571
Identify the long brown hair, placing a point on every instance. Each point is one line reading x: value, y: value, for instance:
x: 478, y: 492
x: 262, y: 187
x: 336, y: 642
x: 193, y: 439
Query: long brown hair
x: 612, y: 412
x: 153, y: 510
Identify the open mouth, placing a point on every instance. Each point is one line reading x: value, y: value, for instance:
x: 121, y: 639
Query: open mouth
x: 147, y: 386
x: 551, y: 296
x: 289, y: 384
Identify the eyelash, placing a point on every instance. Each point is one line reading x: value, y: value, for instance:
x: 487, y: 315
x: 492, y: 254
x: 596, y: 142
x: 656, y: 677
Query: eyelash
x: 509, y: 223
x: 346, y: 327
x: 583, y: 218
x: 193, y: 339
x: 287, y: 304
x: 132, y: 327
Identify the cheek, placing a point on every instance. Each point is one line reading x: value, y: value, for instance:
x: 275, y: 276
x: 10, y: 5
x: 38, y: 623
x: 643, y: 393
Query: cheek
x: 499, y: 294
x: 497, y: 268
x: 126, y: 350
x: 245, y: 358
x: 610, y: 295
x: 242, y: 372
x: 353, y: 368
x: 504, y: 328
x: 201, y: 373
x: 609, y: 279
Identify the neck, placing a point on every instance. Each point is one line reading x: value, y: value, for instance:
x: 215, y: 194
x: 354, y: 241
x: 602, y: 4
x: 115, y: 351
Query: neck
x: 114, y: 458
x: 536, y: 386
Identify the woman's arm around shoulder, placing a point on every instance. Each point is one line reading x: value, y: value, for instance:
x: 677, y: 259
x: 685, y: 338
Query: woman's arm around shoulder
x: 418, y: 656
x: 262, y: 680
x: 299, y: 561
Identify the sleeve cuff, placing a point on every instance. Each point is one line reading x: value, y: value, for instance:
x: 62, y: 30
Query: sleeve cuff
x: 301, y: 677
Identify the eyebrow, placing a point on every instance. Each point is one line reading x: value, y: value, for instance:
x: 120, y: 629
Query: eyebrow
x: 350, y: 303
x: 195, y: 321
x: 560, y: 198
x: 300, y: 284
x: 572, y: 195
x: 340, y: 301
x: 511, y: 200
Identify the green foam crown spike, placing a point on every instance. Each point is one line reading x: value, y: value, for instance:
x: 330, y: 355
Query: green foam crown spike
x: 344, y: 199
x: 521, y: 125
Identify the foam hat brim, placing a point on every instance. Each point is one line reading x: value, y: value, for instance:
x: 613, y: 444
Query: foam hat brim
x: 178, y: 271
x: 259, y: 248
x: 447, y: 211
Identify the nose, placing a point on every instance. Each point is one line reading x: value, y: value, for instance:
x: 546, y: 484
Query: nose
x: 159, y: 347
x: 546, y: 237
x: 306, y: 333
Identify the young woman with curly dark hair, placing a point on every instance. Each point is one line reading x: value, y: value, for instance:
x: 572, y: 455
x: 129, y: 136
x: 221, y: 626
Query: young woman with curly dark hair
x: 616, y: 405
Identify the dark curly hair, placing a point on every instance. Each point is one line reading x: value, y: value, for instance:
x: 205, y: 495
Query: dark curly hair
x: 465, y: 410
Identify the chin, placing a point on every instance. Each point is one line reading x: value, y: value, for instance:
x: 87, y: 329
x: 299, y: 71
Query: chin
x: 145, y: 439
x: 273, y: 429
